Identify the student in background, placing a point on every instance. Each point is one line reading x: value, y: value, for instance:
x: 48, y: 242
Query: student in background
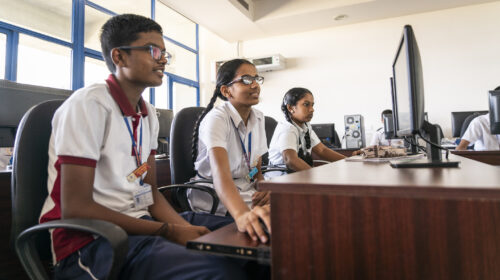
x: 101, y: 135
x: 379, y: 135
x: 478, y: 133
x: 228, y: 143
x: 294, y: 141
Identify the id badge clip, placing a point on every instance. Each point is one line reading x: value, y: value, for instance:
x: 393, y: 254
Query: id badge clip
x: 137, y: 173
x: 251, y: 175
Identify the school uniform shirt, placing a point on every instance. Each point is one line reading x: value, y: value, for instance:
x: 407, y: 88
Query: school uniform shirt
x: 378, y: 138
x: 479, y: 134
x: 89, y: 129
x: 286, y: 137
x: 217, y: 130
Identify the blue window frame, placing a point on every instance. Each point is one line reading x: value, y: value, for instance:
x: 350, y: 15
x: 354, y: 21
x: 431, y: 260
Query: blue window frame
x: 79, y: 51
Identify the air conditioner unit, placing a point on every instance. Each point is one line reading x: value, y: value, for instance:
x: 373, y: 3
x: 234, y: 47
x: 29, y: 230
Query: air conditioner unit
x: 269, y: 63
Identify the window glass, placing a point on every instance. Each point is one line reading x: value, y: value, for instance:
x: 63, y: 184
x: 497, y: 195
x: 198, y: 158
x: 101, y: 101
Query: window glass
x: 95, y: 71
x: 3, y: 44
x: 161, y: 94
x: 94, y: 20
x: 146, y: 94
x: 43, y: 63
x: 183, y: 62
x: 140, y: 7
x: 48, y: 17
x: 184, y: 96
x: 175, y: 25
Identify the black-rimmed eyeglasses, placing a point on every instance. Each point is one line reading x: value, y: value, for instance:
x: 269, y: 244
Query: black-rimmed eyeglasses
x: 155, y: 51
x: 248, y: 80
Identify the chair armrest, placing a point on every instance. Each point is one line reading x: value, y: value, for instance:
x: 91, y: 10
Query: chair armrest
x: 269, y: 168
x: 116, y: 236
x: 319, y: 162
x: 184, y: 204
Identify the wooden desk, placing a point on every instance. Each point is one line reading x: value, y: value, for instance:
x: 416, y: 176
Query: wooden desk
x: 489, y: 157
x: 355, y: 220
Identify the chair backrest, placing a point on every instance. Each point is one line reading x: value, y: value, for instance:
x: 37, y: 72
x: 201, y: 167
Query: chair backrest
x: 457, y: 120
x: 29, y: 171
x: 467, y: 122
x: 181, y: 140
x: 270, y: 126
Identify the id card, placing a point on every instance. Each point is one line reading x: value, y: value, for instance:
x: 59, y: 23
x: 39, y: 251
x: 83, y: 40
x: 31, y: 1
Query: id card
x: 143, y: 197
x: 251, y: 175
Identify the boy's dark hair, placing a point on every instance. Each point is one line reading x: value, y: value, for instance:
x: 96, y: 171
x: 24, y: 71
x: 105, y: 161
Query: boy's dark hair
x: 497, y: 88
x: 225, y: 75
x: 386, y: 112
x: 121, y: 30
x: 291, y: 98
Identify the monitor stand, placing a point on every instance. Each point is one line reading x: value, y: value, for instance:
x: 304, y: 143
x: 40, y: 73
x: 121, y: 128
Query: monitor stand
x: 434, y: 155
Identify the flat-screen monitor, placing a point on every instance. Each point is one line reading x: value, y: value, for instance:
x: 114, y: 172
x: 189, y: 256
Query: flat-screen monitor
x: 15, y: 100
x: 326, y: 133
x: 408, y: 102
x: 494, y: 99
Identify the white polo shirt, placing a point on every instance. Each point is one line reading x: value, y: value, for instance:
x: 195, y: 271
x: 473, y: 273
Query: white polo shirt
x: 89, y: 129
x: 479, y: 134
x: 217, y: 130
x: 379, y: 139
x: 286, y: 136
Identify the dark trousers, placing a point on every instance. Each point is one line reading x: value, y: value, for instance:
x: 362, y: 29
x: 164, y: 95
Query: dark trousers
x: 153, y: 257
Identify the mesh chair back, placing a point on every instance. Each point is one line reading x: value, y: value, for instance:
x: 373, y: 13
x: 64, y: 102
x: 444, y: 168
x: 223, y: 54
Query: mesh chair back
x: 270, y: 126
x: 29, y: 171
x: 181, y: 140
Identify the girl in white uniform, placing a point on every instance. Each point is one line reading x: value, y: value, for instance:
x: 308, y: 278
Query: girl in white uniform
x: 294, y: 141
x: 228, y: 143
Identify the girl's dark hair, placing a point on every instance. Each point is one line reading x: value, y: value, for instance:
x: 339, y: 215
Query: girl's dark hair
x: 225, y: 75
x: 122, y: 30
x: 291, y: 98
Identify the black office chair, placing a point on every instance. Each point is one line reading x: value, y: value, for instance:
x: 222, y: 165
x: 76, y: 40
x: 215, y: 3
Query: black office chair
x: 270, y: 126
x: 29, y: 191
x: 467, y: 122
x: 165, y: 122
x: 181, y: 163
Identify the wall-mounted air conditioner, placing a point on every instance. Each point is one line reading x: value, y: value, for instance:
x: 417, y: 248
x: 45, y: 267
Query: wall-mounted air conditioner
x: 269, y: 63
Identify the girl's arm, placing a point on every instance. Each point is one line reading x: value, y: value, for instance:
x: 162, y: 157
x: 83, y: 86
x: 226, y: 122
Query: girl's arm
x: 247, y: 220
x: 293, y: 161
x: 324, y: 153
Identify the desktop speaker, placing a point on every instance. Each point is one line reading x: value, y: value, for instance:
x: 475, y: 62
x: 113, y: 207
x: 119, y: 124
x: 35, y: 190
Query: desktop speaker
x: 354, y: 131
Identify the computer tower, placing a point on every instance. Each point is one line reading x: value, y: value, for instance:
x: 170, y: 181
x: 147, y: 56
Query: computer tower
x: 354, y: 131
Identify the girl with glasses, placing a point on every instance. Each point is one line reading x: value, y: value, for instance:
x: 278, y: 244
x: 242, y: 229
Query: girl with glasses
x: 294, y: 141
x: 228, y: 142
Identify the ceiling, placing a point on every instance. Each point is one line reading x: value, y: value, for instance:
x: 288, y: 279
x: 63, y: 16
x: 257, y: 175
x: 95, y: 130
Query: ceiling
x: 264, y: 18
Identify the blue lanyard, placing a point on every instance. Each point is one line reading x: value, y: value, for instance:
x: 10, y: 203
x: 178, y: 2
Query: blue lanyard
x: 138, y: 152
x: 247, y: 157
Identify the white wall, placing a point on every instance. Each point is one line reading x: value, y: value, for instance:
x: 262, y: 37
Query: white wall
x: 348, y: 68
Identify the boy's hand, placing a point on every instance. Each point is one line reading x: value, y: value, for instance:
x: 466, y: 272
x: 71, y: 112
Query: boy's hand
x: 181, y: 234
x: 249, y: 222
x: 260, y: 198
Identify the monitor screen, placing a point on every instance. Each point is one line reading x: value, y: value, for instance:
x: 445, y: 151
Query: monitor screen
x: 408, y: 86
x: 494, y: 99
x: 16, y: 100
x: 326, y: 133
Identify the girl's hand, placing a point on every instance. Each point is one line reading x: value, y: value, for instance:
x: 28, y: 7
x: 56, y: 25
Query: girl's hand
x: 249, y: 222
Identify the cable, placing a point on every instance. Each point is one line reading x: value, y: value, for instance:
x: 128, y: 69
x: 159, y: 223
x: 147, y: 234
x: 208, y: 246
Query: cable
x: 434, y: 145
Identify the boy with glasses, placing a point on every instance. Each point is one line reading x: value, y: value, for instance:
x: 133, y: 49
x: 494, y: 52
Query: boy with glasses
x: 102, y: 166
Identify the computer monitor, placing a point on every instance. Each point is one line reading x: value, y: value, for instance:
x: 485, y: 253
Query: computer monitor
x: 408, y: 102
x: 494, y: 98
x: 15, y: 100
x: 458, y: 118
x: 326, y: 133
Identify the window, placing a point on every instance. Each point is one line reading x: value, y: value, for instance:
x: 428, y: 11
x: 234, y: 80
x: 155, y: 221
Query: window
x: 94, y: 20
x: 161, y: 95
x: 183, y: 62
x: 175, y: 25
x: 43, y: 63
x: 3, y: 44
x: 140, y: 7
x: 184, y: 96
x: 95, y: 71
x: 51, y: 18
